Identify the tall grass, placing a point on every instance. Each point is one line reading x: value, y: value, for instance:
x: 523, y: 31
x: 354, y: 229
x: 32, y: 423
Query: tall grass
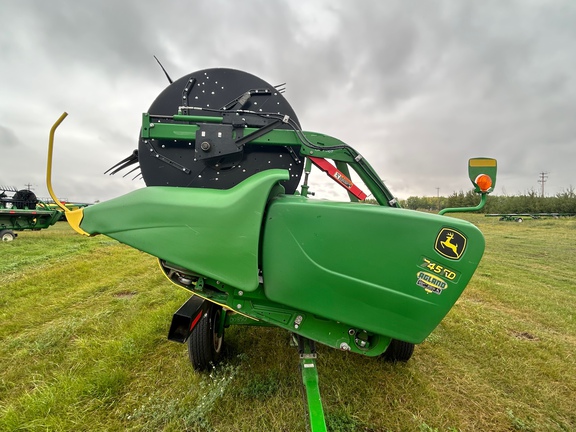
x: 83, y: 324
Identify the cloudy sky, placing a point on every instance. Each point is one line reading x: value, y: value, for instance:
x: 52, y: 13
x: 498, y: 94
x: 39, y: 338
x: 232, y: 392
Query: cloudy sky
x: 417, y: 87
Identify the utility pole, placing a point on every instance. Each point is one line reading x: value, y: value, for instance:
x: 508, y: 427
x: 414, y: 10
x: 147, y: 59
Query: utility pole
x: 438, y: 194
x: 542, y: 180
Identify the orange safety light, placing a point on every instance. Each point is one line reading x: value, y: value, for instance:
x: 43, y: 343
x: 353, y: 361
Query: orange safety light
x: 482, y: 173
x: 484, y: 182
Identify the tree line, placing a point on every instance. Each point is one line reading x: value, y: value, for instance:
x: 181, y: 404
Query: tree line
x: 531, y: 202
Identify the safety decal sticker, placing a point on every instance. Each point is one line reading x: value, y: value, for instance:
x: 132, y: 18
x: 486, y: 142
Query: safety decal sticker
x: 431, y: 283
x: 450, y: 243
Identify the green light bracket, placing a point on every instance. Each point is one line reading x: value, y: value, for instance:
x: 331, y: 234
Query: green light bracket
x: 482, y: 173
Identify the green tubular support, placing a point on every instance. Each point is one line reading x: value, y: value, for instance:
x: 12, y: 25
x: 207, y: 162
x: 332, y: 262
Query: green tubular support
x: 198, y: 119
x: 465, y: 209
x: 310, y: 381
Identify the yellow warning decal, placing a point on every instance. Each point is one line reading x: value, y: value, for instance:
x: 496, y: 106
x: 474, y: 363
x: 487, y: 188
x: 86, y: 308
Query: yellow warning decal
x: 483, y: 162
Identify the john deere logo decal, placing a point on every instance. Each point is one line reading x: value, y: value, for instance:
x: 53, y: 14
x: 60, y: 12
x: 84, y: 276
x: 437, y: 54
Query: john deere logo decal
x: 450, y: 243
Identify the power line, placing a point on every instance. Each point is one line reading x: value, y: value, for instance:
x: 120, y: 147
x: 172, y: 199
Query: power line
x: 542, y: 180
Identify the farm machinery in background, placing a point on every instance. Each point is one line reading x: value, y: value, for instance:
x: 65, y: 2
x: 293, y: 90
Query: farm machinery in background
x: 228, y: 213
x: 20, y: 210
x: 519, y: 217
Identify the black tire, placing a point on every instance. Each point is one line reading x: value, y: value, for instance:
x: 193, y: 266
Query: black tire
x: 204, y: 344
x: 519, y: 220
x: 398, y: 351
x: 7, y: 235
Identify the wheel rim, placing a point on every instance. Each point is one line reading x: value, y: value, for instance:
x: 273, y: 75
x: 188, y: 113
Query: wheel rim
x: 7, y: 237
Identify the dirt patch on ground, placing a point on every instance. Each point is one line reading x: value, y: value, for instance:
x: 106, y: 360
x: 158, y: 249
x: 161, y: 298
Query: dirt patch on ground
x: 124, y: 295
x: 525, y: 336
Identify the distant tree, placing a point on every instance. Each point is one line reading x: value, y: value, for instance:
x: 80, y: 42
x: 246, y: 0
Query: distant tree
x: 529, y: 202
x: 424, y: 203
x: 567, y: 200
x: 569, y: 193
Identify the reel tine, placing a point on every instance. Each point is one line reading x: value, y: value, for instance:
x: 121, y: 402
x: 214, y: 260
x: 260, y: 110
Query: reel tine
x: 126, y: 165
x: 133, y: 158
x: 164, y: 70
x: 131, y: 171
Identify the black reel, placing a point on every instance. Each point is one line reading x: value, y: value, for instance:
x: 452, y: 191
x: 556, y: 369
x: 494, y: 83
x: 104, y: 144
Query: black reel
x: 218, y: 158
x: 24, y: 199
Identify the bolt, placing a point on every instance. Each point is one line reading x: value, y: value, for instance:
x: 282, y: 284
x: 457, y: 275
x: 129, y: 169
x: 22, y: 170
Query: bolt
x: 240, y: 293
x: 151, y: 125
x: 205, y: 145
x: 344, y: 346
x: 238, y: 306
x: 351, y: 332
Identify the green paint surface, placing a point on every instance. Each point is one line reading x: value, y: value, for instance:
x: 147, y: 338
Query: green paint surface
x: 212, y: 232
x: 359, y: 264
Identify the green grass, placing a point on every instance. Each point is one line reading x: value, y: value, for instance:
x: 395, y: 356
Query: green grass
x: 83, y: 324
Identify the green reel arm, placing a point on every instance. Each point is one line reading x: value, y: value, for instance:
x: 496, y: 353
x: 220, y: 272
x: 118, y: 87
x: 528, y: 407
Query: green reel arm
x: 313, y: 145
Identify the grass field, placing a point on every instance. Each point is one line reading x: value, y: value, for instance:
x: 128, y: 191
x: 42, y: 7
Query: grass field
x: 83, y: 324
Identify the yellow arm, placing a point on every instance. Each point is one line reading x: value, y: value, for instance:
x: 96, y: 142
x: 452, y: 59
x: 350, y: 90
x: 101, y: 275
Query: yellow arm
x: 73, y: 217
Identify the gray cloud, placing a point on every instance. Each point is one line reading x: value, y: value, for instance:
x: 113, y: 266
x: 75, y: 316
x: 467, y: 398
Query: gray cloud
x: 417, y: 87
x: 8, y: 138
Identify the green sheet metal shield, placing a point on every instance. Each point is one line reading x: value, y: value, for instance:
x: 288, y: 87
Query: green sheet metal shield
x: 360, y: 264
x: 212, y: 232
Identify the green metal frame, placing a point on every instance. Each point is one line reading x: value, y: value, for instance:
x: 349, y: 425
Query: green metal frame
x: 185, y: 227
x: 309, y: 371
x: 314, y: 144
x: 23, y: 219
x: 465, y: 209
x: 393, y: 272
